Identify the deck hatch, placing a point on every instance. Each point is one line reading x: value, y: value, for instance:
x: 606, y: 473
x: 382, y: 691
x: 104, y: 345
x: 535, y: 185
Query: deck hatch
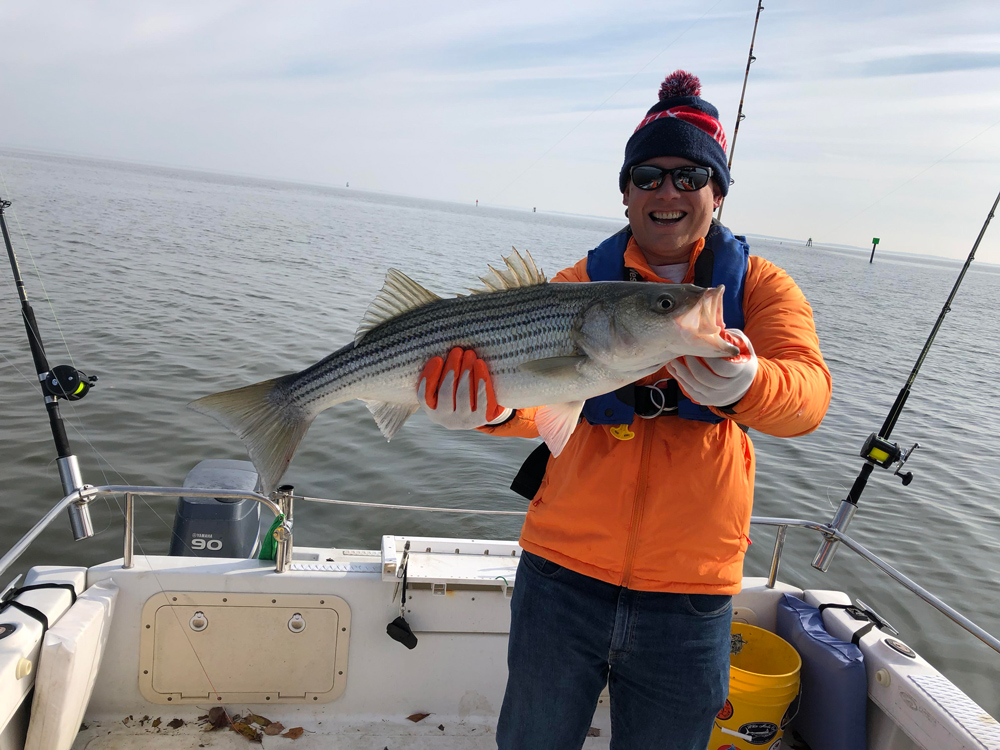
x: 247, y: 652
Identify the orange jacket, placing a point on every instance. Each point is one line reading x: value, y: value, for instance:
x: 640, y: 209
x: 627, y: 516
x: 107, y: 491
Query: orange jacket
x: 669, y: 509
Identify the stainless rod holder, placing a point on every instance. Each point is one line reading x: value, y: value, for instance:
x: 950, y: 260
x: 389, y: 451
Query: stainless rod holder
x: 779, y: 543
x: 79, y: 512
x: 129, y: 530
x: 283, y: 537
x: 841, y: 520
x: 79, y: 521
x: 283, y: 534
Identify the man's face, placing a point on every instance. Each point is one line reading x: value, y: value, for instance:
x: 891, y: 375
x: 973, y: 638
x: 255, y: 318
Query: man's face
x: 666, y: 222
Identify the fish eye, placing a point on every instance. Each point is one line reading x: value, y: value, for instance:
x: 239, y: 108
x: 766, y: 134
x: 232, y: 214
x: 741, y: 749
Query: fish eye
x: 663, y: 303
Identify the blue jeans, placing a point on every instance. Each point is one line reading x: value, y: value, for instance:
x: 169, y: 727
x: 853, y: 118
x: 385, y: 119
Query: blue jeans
x: 664, y: 657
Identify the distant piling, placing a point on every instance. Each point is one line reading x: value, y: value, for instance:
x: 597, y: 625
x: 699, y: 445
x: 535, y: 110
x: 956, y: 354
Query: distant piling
x: 874, y: 244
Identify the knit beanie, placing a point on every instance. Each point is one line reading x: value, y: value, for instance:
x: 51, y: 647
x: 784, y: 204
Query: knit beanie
x: 681, y: 124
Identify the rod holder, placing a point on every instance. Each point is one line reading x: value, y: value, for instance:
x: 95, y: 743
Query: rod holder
x: 79, y: 512
x: 283, y: 537
x: 283, y: 534
x: 841, y: 520
x: 779, y: 543
x: 129, y: 535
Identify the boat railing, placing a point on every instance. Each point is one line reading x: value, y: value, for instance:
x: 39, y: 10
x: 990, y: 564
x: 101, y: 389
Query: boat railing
x: 88, y: 494
x: 281, y: 505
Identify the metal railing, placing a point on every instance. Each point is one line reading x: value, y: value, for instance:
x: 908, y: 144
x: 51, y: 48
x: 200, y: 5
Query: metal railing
x: 86, y: 495
x: 282, y: 505
x: 283, y: 534
x: 833, y: 534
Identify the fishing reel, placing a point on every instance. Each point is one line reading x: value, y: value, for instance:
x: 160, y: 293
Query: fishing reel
x: 63, y: 381
x: 883, y: 453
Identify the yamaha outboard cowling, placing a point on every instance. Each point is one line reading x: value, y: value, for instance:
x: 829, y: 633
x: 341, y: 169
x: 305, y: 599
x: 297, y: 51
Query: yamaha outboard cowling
x: 217, y: 527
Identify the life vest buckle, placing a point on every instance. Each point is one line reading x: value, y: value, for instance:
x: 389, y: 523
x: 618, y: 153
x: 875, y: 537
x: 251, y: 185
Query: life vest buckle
x: 622, y: 432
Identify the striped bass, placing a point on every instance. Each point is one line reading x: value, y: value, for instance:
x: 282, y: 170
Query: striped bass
x: 547, y: 345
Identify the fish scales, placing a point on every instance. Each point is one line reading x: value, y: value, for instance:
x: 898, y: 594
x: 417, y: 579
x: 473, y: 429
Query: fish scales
x: 504, y: 328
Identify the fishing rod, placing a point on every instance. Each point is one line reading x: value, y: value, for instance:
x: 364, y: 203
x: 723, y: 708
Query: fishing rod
x: 739, y: 113
x: 877, y: 450
x: 60, y: 382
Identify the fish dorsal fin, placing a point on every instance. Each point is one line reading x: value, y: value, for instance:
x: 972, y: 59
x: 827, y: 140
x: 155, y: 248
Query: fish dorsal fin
x: 399, y: 294
x: 518, y: 272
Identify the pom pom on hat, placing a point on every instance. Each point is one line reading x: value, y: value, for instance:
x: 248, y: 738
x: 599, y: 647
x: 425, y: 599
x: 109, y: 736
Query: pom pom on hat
x: 680, y: 83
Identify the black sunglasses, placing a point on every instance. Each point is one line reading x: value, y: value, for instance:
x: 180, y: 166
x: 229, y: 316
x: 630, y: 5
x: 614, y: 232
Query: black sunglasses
x: 685, y: 179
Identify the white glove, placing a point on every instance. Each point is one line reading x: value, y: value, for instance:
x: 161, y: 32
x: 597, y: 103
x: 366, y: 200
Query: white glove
x: 454, y: 406
x: 717, y: 381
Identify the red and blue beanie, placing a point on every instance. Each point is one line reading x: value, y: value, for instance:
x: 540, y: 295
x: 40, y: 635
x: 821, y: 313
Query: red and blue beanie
x: 680, y: 124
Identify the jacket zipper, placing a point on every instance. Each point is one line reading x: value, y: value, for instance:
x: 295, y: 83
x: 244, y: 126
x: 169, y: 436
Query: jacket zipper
x: 637, y: 504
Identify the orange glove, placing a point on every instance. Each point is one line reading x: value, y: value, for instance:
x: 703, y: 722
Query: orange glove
x: 458, y: 393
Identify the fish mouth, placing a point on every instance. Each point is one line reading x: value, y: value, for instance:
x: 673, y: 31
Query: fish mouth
x: 714, y: 307
x: 667, y: 218
x: 704, y: 324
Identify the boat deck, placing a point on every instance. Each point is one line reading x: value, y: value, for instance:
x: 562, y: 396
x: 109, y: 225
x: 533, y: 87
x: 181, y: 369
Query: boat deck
x: 307, y: 647
x: 457, y: 604
x: 378, y: 735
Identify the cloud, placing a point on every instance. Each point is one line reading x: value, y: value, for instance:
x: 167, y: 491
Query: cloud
x: 934, y: 62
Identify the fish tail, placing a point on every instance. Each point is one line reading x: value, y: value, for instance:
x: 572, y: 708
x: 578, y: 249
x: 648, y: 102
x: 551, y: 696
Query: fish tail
x: 266, y: 419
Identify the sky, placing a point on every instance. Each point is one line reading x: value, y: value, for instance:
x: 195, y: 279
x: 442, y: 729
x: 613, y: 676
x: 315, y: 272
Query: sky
x: 863, y: 118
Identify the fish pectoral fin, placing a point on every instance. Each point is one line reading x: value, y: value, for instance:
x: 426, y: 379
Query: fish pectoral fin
x: 390, y: 417
x: 399, y: 294
x: 556, y: 423
x: 554, y: 367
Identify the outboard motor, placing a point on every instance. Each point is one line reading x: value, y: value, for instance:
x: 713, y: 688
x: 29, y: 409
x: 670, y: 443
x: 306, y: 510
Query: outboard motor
x: 217, y: 527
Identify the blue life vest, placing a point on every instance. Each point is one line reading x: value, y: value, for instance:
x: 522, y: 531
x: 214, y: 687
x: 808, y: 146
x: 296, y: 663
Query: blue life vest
x: 723, y: 260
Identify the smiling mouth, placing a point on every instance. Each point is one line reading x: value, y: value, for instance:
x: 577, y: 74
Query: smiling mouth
x: 667, y: 218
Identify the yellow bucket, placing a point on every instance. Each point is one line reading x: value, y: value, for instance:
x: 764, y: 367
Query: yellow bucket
x: 763, y: 682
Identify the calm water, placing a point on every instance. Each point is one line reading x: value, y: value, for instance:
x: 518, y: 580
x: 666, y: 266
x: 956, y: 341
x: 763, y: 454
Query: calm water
x: 170, y: 285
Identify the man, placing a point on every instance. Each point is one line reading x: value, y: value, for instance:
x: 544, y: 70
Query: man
x: 634, y: 540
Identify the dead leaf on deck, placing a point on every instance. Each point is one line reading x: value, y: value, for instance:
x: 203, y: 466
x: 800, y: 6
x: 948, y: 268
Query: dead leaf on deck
x: 246, y: 730
x: 156, y: 722
x: 294, y: 733
x: 417, y: 717
x: 256, y: 719
x: 217, y: 717
x: 275, y: 727
x: 176, y: 723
